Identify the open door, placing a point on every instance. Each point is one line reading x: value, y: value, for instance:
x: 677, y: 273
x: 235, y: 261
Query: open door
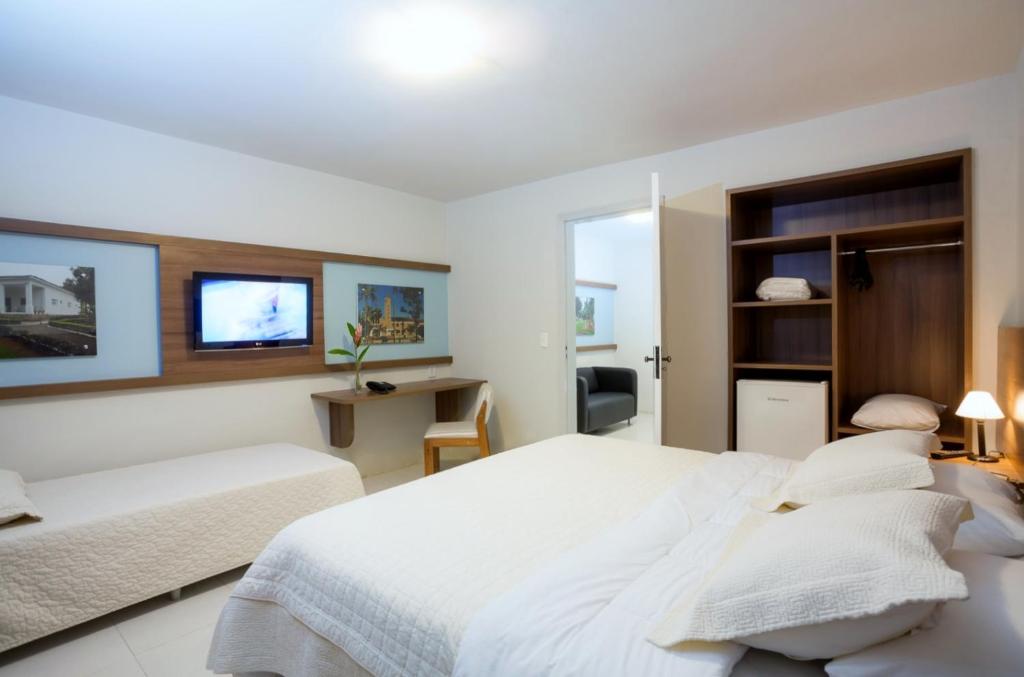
x: 690, y: 356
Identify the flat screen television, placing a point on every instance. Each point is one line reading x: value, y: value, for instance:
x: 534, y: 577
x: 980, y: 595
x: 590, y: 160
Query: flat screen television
x: 251, y: 312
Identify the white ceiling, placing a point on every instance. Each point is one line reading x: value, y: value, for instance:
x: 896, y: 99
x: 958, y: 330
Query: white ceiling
x: 562, y: 85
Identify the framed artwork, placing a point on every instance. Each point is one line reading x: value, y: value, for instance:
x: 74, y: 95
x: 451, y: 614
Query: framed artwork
x: 47, y: 310
x: 595, y: 314
x: 391, y: 314
x: 75, y: 310
x: 404, y: 312
x: 584, y: 315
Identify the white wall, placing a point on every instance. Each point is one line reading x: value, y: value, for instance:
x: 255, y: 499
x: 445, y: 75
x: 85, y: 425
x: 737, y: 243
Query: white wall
x: 619, y: 251
x: 57, y: 166
x: 507, y: 247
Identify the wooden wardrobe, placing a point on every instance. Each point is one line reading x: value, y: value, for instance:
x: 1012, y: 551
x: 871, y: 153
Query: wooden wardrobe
x: 910, y: 332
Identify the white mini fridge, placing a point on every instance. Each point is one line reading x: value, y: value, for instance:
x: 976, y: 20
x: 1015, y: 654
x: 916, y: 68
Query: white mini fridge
x: 783, y: 418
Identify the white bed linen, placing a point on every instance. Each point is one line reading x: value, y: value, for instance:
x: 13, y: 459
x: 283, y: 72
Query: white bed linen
x: 113, y: 538
x: 590, y: 611
x: 394, y: 579
x: 268, y: 641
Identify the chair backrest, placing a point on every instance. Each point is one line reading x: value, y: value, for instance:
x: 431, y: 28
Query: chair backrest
x: 484, y: 403
x: 590, y: 376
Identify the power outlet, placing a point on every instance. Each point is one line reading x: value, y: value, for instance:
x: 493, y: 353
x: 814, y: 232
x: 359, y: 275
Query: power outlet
x: 432, y: 372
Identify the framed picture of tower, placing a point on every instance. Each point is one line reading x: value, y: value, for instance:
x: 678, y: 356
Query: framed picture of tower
x: 391, y: 314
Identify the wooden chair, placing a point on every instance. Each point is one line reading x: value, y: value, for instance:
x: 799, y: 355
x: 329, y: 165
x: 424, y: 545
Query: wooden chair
x: 471, y: 432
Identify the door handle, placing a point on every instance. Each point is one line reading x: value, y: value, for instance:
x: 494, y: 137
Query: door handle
x: 657, y: 360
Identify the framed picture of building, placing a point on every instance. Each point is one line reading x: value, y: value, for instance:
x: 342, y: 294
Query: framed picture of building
x: 47, y: 310
x: 391, y: 314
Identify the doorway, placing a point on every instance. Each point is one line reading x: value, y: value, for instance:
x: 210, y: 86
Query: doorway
x: 611, y: 325
x: 669, y: 319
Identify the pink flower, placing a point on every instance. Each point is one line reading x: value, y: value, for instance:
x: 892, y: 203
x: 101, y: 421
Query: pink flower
x: 357, y: 338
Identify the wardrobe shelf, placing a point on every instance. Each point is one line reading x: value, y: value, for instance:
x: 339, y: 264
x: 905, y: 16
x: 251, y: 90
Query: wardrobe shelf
x: 850, y: 429
x: 782, y: 366
x: 781, y: 304
x: 908, y: 232
x: 785, y: 244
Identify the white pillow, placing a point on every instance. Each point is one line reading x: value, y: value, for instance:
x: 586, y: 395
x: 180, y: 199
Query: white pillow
x: 862, y: 464
x: 847, y: 572
x: 14, y: 502
x: 898, y: 412
x: 998, y: 524
x: 983, y: 635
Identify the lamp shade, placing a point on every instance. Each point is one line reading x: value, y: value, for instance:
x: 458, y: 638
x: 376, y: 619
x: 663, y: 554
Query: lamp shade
x: 979, y: 404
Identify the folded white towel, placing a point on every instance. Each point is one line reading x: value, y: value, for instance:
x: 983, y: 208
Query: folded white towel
x: 784, y: 289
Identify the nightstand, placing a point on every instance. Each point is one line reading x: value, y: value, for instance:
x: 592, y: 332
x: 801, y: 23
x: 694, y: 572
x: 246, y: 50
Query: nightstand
x: 1003, y: 468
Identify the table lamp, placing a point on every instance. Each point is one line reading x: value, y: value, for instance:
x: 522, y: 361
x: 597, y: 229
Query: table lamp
x: 981, y: 406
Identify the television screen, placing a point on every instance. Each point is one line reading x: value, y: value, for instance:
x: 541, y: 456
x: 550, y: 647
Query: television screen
x: 251, y: 311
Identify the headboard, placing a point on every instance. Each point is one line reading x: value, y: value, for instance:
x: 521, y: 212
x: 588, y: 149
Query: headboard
x: 1010, y: 394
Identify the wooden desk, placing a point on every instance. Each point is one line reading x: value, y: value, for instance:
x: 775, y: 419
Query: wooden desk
x: 341, y: 403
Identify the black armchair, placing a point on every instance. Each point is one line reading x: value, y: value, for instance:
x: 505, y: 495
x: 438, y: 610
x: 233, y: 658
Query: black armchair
x: 604, y: 395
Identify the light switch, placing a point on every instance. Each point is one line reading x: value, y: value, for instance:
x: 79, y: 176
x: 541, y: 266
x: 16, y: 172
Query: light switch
x: 543, y: 339
x: 432, y: 372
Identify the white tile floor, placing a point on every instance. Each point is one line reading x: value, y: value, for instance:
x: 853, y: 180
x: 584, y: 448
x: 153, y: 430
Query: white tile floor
x: 153, y: 639
x: 641, y: 430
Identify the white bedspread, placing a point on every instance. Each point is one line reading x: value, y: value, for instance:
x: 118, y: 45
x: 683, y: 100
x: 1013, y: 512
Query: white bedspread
x: 113, y: 538
x: 588, y: 613
x: 395, y: 578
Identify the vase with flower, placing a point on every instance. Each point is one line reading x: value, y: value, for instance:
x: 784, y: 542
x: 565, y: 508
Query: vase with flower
x: 357, y: 353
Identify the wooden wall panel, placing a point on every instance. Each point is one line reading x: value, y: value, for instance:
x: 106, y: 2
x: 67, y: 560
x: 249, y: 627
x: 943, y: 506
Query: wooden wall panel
x: 177, y: 264
x: 179, y: 258
x: 1010, y: 395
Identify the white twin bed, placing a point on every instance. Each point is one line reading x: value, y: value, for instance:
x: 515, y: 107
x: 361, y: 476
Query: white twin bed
x: 556, y: 558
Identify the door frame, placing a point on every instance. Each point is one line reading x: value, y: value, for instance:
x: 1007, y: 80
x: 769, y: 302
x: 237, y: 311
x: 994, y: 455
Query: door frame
x: 568, y: 284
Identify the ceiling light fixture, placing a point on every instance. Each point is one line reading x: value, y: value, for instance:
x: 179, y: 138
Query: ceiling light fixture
x: 426, y: 41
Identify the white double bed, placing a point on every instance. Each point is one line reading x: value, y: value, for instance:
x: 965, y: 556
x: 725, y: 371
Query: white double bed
x: 556, y: 558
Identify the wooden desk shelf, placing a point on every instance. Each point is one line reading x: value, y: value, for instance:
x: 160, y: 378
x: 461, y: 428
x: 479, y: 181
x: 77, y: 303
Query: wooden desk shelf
x: 341, y: 403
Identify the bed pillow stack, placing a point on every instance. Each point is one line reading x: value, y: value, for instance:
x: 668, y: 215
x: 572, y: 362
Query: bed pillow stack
x: 829, y: 579
x: 863, y: 464
x: 859, y: 561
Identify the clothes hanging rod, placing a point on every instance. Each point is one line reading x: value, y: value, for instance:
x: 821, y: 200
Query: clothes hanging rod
x: 906, y: 248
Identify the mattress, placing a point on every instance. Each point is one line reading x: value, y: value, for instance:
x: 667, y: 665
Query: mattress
x: 113, y: 538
